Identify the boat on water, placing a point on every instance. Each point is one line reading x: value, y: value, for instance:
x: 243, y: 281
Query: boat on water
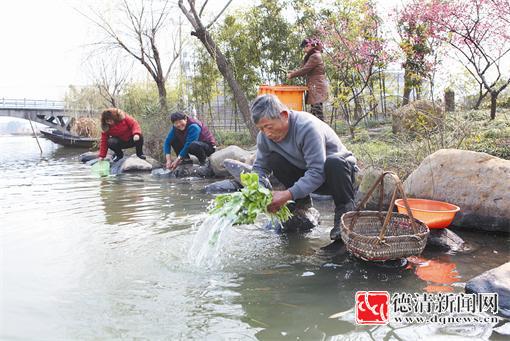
x: 68, y: 139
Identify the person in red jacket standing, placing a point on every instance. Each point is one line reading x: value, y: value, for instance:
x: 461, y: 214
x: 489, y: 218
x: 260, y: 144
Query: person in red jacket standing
x: 120, y: 131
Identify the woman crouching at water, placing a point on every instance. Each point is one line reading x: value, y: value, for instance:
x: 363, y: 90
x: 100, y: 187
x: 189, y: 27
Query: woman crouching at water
x: 120, y: 131
x: 188, y: 136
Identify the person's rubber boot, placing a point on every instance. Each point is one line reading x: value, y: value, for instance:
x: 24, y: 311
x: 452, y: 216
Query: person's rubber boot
x: 141, y: 156
x: 117, y: 157
x: 335, y: 233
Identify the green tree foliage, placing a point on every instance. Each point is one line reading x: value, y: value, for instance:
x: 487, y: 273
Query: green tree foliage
x: 241, y: 50
x: 261, y: 44
x: 204, y: 78
x: 203, y: 85
x: 277, y: 39
x: 141, y: 99
x: 417, y: 42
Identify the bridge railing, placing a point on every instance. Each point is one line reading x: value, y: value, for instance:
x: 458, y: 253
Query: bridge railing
x: 8, y: 103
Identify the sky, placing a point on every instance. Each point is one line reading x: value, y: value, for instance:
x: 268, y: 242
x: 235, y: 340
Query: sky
x: 44, y: 45
x: 41, y: 48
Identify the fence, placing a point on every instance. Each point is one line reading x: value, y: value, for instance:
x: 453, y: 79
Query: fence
x: 8, y: 103
x: 221, y: 113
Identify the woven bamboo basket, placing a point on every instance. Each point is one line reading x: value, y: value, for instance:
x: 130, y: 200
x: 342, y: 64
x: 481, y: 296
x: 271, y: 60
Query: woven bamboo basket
x: 377, y: 235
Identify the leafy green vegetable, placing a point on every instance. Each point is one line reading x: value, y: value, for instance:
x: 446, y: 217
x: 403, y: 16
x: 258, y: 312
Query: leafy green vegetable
x: 245, y: 205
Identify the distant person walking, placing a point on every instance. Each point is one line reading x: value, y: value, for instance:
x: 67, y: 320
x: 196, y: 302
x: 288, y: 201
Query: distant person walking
x: 314, y: 71
x: 120, y: 131
x: 188, y: 136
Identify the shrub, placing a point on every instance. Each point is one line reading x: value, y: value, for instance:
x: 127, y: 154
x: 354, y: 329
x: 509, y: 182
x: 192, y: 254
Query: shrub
x: 227, y: 138
x: 418, y: 118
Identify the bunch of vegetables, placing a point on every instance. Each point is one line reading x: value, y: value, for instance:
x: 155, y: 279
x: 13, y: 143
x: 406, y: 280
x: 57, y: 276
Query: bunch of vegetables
x: 245, y: 205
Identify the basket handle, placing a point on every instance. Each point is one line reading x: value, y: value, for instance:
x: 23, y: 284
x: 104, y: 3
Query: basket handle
x: 367, y: 197
x: 398, y: 188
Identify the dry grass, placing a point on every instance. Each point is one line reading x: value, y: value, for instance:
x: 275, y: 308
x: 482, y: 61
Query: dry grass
x: 86, y: 127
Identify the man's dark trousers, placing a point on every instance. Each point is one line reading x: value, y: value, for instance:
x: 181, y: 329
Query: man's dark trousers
x: 198, y: 148
x: 339, y: 177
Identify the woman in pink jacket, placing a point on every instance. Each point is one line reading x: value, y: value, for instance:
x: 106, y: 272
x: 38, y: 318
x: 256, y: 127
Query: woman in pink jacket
x: 314, y: 71
x: 120, y: 131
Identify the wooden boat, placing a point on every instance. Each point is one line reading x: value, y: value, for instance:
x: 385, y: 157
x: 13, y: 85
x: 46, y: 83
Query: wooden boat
x: 68, y: 139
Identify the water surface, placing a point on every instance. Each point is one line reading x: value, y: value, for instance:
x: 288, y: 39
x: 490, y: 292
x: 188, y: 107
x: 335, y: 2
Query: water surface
x: 100, y: 258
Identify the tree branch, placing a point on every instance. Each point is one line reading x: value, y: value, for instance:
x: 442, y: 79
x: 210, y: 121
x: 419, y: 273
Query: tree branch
x: 202, y: 9
x: 219, y: 14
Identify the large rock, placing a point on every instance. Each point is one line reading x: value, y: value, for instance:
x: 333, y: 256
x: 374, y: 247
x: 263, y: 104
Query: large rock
x: 370, y: 176
x: 184, y: 171
x: 163, y: 173
x: 236, y: 168
x: 496, y: 280
x: 222, y: 186
x: 302, y: 220
x: 230, y: 152
x: 130, y: 164
x: 476, y: 182
x: 88, y: 156
x: 446, y: 239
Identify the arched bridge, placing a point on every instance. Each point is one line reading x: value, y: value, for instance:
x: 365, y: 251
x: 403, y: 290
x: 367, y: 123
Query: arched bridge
x: 48, y: 112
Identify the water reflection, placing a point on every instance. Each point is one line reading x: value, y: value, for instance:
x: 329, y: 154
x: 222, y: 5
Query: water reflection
x: 438, y: 273
x: 279, y: 298
x: 122, y: 202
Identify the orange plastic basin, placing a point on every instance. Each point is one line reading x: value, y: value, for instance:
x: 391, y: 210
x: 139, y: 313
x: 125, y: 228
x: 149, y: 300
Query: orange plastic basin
x: 436, y: 214
x: 290, y: 95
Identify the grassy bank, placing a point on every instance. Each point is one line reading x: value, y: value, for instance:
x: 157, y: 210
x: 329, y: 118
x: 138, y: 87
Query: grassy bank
x: 468, y: 130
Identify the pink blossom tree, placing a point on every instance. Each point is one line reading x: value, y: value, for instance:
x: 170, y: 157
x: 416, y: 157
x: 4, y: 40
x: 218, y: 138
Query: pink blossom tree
x: 350, y: 31
x: 419, y: 42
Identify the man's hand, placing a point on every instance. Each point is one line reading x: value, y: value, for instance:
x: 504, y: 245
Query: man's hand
x: 280, y: 198
x: 101, y: 158
x: 136, y: 137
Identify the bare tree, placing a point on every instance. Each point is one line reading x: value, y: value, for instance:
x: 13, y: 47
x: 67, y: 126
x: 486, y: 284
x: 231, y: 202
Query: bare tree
x: 478, y: 31
x: 136, y: 31
x: 109, y: 76
x: 200, y: 31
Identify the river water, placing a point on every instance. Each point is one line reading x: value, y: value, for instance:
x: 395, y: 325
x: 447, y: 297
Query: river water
x: 84, y: 257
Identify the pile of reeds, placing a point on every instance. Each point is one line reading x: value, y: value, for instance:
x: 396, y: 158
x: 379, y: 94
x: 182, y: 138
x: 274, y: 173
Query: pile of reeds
x: 86, y: 127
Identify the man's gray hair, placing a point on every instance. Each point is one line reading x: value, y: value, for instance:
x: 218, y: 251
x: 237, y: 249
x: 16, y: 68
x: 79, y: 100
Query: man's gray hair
x: 268, y: 106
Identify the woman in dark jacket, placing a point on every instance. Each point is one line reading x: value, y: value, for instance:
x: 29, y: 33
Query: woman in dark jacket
x: 120, y: 131
x: 314, y: 71
x: 188, y: 136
